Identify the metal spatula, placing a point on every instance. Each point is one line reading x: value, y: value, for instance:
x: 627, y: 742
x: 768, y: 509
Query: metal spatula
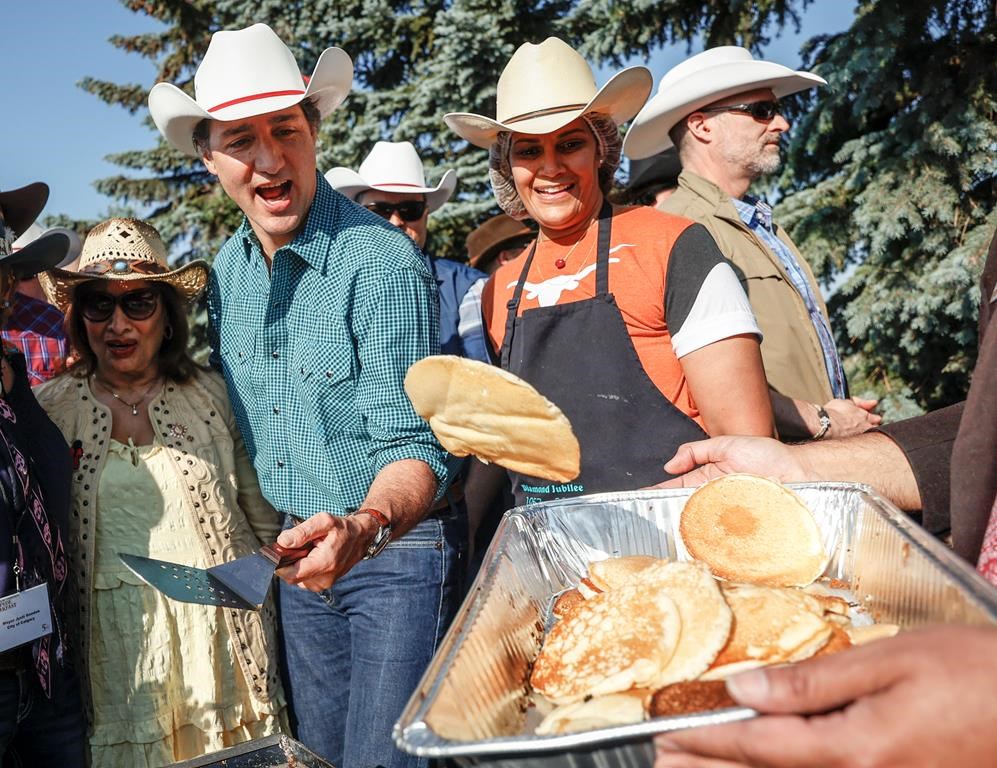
x: 241, y: 583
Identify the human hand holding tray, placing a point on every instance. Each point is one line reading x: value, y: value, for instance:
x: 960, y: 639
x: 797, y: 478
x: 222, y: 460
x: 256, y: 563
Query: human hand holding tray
x: 242, y: 583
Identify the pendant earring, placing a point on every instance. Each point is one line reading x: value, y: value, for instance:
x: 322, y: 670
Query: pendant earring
x: 168, y: 332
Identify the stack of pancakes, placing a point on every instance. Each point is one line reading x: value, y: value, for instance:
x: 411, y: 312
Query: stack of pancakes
x: 644, y: 636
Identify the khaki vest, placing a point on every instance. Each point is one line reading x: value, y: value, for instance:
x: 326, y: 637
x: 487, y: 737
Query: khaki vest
x: 791, y: 350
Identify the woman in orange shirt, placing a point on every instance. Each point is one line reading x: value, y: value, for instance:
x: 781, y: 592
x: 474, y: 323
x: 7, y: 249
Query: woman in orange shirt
x: 629, y: 319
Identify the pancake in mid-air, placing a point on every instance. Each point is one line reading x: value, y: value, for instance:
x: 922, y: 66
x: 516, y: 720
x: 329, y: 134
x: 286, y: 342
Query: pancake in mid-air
x: 480, y: 410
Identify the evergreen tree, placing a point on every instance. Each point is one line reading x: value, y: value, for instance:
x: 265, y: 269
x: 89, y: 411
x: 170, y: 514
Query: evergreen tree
x: 414, y: 62
x: 889, y: 179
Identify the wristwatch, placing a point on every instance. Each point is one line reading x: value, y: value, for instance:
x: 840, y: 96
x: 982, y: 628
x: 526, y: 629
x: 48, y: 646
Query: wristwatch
x: 383, y: 535
x: 825, y: 422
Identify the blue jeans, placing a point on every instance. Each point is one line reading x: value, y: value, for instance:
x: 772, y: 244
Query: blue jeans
x: 36, y: 732
x: 355, y: 653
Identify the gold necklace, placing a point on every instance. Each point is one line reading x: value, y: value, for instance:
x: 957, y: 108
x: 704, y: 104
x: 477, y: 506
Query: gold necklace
x: 134, y: 406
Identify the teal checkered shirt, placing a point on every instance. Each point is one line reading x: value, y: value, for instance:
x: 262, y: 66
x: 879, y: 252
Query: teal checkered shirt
x: 315, y: 352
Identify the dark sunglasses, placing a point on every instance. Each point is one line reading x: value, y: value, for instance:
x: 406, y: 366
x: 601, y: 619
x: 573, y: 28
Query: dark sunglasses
x: 410, y: 210
x: 759, y: 110
x: 98, y: 307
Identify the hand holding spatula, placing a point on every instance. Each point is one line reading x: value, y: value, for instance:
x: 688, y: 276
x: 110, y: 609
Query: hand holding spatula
x: 241, y: 583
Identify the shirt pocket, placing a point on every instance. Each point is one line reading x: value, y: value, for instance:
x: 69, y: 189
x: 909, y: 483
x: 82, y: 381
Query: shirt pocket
x: 237, y: 347
x: 326, y: 375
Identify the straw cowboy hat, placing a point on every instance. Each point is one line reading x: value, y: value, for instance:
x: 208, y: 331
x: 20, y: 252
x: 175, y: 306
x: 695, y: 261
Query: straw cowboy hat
x: 20, y: 208
x: 701, y: 80
x: 544, y: 87
x: 34, y: 232
x: 245, y: 73
x: 126, y: 250
x: 392, y: 166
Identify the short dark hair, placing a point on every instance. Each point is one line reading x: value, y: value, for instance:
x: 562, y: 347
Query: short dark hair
x: 175, y: 362
x: 203, y: 129
x: 678, y: 134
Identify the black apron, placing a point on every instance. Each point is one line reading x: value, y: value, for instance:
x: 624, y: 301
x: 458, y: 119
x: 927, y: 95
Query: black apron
x: 580, y: 357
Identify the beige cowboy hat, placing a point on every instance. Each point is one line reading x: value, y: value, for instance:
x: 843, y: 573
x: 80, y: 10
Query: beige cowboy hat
x: 247, y: 72
x: 544, y: 87
x: 126, y: 250
x: 701, y: 80
x: 392, y: 166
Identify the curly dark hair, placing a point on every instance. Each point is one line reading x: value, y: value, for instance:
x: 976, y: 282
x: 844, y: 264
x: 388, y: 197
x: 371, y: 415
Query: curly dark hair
x: 175, y: 362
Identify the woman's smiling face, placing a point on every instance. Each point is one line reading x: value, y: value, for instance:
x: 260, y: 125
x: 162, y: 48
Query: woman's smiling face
x: 557, y: 177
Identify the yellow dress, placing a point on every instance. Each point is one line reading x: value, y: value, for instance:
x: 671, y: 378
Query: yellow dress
x: 166, y: 685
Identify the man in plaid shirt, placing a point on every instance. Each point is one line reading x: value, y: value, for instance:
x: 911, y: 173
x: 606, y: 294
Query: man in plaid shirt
x: 317, y: 309
x: 36, y: 330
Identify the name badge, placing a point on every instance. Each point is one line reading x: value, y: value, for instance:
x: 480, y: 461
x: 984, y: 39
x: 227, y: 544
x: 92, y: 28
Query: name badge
x: 24, y: 616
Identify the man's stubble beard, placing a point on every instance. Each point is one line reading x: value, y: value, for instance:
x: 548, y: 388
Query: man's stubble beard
x: 756, y: 160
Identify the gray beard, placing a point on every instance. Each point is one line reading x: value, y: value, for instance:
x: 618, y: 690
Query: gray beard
x: 749, y: 156
x: 764, y: 163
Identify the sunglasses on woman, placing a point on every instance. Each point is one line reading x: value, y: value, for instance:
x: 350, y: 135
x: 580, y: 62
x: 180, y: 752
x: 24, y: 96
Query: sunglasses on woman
x: 409, y: 210
x: 97, y: 307
x: 759, y: 110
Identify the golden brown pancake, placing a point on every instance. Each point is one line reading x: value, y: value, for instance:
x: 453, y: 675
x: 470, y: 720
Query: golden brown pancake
x: 771, y: 626
x: 751, y: 529
x: 870, y: 632
x: 689, y: 697
x: 839, y: 641
x: 566, y: 601
x: 479, y: 409
x: 706, y: 619
x: 598, y: 712
x: 616, y: 641
x: 619, y: 571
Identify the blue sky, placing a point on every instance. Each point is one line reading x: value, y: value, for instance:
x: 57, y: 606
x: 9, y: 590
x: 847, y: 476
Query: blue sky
x: 55, y: 132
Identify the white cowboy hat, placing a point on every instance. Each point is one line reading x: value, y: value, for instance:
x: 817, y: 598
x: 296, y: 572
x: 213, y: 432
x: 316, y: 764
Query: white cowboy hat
x: 34, y: 232
x: 703, y: 79
x: 247, y: 72
x: 392, y: 166
x: 544, y: 87
x: 126, y: 250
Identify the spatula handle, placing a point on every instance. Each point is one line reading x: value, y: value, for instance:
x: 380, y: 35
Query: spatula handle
x: 284, y: 555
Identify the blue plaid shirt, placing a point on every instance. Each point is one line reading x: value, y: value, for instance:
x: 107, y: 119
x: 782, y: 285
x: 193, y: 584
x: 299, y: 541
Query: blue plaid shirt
x: 315, y: 352
x: 758, y: 216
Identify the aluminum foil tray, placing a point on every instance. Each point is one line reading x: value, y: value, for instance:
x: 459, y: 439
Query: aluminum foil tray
x: 277, y: 751
x: 473, y: 703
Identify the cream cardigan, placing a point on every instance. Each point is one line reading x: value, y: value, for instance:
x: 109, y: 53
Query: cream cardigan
x: 195, y: 425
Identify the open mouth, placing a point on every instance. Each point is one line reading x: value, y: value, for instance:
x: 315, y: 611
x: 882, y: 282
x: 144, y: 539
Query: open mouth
x: 274, y: 192
x: 120, y: 347
x: 553, y: 190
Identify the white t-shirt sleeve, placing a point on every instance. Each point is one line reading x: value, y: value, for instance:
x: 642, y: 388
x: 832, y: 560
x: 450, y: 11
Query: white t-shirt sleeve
x: 720, y: 310
x: 704, y: 300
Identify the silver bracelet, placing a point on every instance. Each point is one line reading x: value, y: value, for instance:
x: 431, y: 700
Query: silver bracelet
x: 825, y: 421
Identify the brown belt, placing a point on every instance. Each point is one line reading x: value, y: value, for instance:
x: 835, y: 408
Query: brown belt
x: 453, y: 495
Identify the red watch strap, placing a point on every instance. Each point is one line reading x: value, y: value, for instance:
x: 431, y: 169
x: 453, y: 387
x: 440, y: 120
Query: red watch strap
x: 376, y: 514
